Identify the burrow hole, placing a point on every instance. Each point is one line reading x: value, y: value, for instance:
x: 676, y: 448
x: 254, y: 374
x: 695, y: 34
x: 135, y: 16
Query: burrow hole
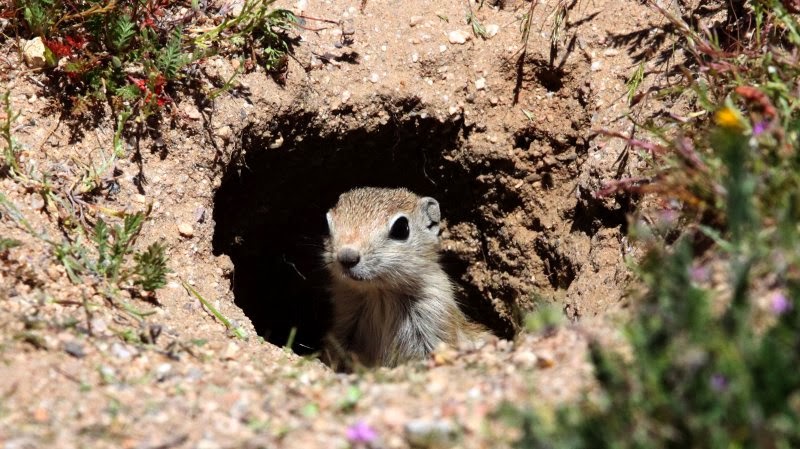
x: 270, y: 213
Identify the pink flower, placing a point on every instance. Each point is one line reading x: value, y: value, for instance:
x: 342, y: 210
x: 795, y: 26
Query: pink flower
x: 719, y: 382
x: 699, y: 274
x: 361, y: 433
x: 759, y: 128
x: 779, y: 303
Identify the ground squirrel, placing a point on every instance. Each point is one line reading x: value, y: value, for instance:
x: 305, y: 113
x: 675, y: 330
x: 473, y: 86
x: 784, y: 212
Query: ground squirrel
x: 392, y: 301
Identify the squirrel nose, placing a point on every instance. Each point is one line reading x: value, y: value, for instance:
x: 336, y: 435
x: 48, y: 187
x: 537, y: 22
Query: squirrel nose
x: 348, y: 257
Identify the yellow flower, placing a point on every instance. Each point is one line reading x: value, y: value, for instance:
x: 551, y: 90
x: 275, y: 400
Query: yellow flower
x: 729, y: 118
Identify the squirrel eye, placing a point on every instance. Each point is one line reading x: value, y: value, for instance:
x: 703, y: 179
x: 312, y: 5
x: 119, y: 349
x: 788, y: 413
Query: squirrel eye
x: 399, y: 229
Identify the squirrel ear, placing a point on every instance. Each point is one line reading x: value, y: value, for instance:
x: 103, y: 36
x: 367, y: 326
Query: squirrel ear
x: 431, y: 214
x: 329, y: 218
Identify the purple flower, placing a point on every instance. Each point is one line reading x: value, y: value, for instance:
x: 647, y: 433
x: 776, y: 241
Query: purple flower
x: 699, y: 274
x: 779, y: 303
x: 668, y: 217
x: 759, y: 128
x: 719, y: 382
x: 361, y: 432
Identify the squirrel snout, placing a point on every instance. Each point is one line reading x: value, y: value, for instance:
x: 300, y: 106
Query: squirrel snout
x: 348, y: 257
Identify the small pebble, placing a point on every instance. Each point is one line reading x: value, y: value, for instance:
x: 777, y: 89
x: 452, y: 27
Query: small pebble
x: 186, y: 230
x: 374, y: 78
x: 200, y: 214
x: 414, y: 21
x: 225, y: 132
x: 99, y: 325
x: 428, y: 434
x: 231, y: 351
x: 545, y: 360
x: 492, y: 29
x: 480, y: 83
x: 192, y: 112
x: 458, y: 37
x: 277, y: 143
x: 122, y: 352
x: 596, y: 65
x: 33, y: 51
x: 74, y: 349
x: 37, y: 202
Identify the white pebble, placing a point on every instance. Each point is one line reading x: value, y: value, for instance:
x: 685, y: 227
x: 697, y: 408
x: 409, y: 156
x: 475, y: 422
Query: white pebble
x: 458, y: 37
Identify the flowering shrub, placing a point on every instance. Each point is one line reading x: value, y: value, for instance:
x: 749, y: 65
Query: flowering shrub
x: 707, y: 370
x: 132, y: 52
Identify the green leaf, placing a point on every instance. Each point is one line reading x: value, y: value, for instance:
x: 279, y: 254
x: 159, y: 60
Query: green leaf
x: 151, y: 268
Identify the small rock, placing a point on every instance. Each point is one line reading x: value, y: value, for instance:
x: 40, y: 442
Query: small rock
x: 611, y: 52
x: 200, y: 214
x: 162, y: 371
x: 414, y: 57
x: 230, y: 351
x: 545, y: 360
x: 192, y: 112
x: 99, y: 325
x: 458, y: 37
x: 430, y: 434
x: 233, y: 8
x: 225, y: 132
x: 139, y: 198
x: 596, y: 65
x: 37, y: 202
x: 480, y: 83
x: 186, y: 230
x: 277, y: 143
x: 526, y: 359
x: 74, y: 349
x: 414, y: 21
x: 492, y: 29
x: 33, y: 52
x: 121, y: 351
x: 54, y: 272
x: 494, y: 101
x: 442, y: 48
x: 374, y: 78
x: 346, y: 96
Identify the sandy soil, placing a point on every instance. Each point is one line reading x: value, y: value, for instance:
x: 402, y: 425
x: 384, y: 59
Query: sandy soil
x: 509, y: 147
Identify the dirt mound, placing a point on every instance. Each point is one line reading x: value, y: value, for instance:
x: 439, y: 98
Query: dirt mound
x: 239, y: 187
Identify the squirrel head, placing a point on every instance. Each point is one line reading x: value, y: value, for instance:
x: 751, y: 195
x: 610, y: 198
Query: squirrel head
x: 382, y: 238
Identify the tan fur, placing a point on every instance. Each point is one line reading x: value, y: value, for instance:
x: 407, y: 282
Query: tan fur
x: 396, y: 304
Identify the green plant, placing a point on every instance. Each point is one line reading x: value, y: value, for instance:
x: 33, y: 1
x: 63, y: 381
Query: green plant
x: 132, y: 53
x: 708, y: 370
x: 103, y: 252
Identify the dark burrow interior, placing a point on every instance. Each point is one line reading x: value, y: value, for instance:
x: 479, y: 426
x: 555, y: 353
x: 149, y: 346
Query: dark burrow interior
x: 270, y: 213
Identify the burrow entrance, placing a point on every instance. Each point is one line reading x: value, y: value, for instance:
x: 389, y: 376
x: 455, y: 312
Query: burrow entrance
x: 270, y: 210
